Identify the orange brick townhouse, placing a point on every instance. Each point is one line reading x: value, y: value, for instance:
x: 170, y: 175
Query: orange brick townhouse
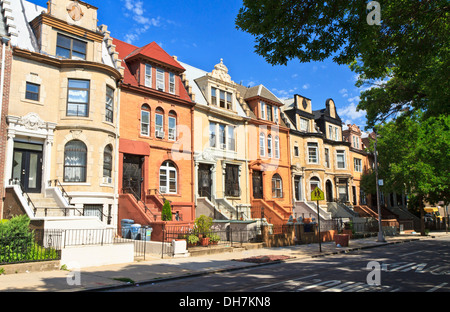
x: 155, y: 147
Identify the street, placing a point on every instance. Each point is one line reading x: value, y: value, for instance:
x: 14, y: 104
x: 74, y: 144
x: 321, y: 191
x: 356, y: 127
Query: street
x: 418, y: 266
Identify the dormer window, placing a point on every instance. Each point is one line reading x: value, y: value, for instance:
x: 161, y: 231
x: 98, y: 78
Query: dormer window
x: 172, y: 83
x: 269, y: 112
x: 304, y: 124
x: 221, y: 98
x: 70, y: 48
x: 160, y: 83
x: 263, y: 110
x: 276, y: 114
x: 148, y: 75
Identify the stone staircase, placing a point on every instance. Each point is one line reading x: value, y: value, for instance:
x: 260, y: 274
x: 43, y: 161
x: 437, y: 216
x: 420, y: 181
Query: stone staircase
x: 47, y: 206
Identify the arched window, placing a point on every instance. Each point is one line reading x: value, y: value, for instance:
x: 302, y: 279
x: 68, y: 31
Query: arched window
x: 262, y: 144
x: 277, y: 186
x: 159, y: 123
x: 107, y: 161
x: 313, y: 183
x: 168, y: 178
x: 277, y: 147
x: 145, y: 120
x: 75, y: 160
x: 269, y: 146
x: 172, y: 126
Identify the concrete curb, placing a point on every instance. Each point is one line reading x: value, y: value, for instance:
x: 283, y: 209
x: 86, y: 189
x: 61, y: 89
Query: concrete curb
x: 250, y: 265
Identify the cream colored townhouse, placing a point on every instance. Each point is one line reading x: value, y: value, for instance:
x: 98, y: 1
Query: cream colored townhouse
x: 63, y: 111
x: 221, y: 177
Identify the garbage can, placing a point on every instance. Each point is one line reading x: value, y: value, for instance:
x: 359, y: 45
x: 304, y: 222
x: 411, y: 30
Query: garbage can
x: 146, y: 233
x: 342, y: 240
x: 125, y: 225
x: 135, y: 228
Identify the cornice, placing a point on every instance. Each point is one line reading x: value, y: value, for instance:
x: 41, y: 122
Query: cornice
x: 49, y: 20
x: 66, y: 63
x: 148, y: 92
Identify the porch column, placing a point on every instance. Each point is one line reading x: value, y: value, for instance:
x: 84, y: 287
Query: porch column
x: 9, y: 155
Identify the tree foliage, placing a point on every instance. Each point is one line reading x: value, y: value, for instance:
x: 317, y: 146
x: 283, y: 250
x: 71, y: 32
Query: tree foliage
x: 404, y: 62
x: 413, y: 153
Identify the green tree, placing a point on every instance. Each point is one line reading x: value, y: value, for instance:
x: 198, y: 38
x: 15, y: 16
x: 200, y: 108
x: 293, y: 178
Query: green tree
x: 404, y: 62
x: 166, y: 214
x: 413, y: 153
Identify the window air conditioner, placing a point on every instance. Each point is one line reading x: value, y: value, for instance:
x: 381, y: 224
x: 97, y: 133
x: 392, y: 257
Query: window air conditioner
x: 160, y: 134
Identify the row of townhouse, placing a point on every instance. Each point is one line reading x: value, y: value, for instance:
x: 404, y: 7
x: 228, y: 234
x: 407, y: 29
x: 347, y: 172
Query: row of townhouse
x: 96, y: 130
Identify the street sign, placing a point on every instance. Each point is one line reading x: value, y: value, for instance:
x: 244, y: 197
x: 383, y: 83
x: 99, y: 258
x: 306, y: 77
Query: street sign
x: 317, y: 194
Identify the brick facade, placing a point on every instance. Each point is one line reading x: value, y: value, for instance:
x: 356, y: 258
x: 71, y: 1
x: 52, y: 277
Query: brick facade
x: 3, y: 125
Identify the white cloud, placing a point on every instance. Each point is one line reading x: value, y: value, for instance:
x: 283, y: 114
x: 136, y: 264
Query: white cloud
x: 306, y: 86
x: 350, y: 113
x: 137, y: 11
x: 354, y: 99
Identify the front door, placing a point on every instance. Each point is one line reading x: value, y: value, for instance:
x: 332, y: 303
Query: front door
x: 257, y: 185
x: 204, y: 181
x: 27, y: 166
x: 132, y: 175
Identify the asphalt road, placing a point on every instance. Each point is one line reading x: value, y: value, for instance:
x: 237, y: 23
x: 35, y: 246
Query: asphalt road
x: 419, y: 266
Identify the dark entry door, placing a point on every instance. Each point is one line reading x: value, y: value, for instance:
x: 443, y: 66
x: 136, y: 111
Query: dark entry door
x: 132, y: 175
x: 204, y: 181
x: 257, y: 184
x: 27, y: 166
x: 329, y: 191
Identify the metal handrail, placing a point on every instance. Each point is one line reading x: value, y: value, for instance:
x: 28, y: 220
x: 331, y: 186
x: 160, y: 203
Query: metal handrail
x: 17, y: 181
x: 130, y: 190
x: 63, y: 191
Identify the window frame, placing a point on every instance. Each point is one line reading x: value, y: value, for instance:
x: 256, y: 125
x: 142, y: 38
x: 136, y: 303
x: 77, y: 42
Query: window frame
x: 277, y: 186
x: 277, y: 147
x: 160, y: 79
x: 232, y: 186
x: 71, y: 48
x: 107, y: 166
x: 172, y: 89
x: 82, y: 150
x: 269, y: 146
x: 87, y: 104
x: 38, y: 93
x: 165, y: 168
x: 172, y: 130
x: 357, y: 164
x: 262, y: 144
x: 315, y: 146
x: 145, y: 109
x: 148, y: 77
x: 212, y: 134
x: 344, y: 162
x: 109, y: 111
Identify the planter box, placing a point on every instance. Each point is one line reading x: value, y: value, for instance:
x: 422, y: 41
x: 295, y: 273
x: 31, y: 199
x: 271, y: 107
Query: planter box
x: 342, y: 239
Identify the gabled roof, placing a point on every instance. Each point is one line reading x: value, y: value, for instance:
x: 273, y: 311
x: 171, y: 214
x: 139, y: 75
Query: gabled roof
x: 154, y: 52
x: 260, y: 91
x: 128, y: 51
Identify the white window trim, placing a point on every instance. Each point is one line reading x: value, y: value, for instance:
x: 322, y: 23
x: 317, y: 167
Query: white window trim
x: 148, y: 124
x: 160, y: 80
x: 262, y: 144
x: 148, y: 78
x: 345, y: 159
x: 316, y: 147
x: 263, y: 110
x: 172, y: 130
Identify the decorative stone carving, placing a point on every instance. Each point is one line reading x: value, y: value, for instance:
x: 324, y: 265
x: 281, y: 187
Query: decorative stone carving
x: 32, y: 121
x: 220, y: 72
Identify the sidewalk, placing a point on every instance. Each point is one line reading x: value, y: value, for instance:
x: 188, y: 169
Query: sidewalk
x: 152, y: 270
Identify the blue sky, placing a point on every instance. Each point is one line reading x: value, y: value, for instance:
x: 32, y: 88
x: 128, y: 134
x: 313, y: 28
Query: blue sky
x: 200, y: 33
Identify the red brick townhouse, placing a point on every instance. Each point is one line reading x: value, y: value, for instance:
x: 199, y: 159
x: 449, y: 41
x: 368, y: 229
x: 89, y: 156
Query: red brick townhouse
x: 155, y: 147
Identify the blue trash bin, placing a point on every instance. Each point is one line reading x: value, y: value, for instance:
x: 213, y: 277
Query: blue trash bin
x: 135, y: 229
x: 125, y: 225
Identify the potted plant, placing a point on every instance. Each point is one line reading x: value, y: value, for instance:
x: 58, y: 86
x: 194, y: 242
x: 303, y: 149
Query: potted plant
x: 214, y: 238
x: 192, y: 240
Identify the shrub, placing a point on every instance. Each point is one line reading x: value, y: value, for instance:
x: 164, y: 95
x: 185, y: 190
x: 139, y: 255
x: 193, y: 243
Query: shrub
x: 166, y: 214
